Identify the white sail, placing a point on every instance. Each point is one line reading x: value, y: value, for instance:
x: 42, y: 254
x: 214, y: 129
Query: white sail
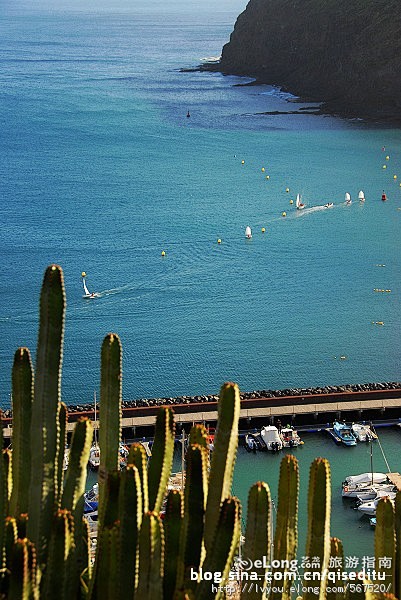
x: 87, y: 292
x: 248, y: 232
x: 298, y: 201
x: 361, y: 195
x: 348, y: 197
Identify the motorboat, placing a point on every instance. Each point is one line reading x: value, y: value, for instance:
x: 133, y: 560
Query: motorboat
x: 348, y: 198
x: 271, y: 438
x: 364, y: 491
x: 363, y: 433
x: 92, y: 495
x: 88, y: 295
x: 94, y: 457
x: 344, y: 432
x: 248, y: 232
x: 329, y: 205
x: 376, y: 491
x: 369, y: 508
x: 365, y: 478
x: 361, y: 196
x: 253, y: 442
x: 298, y: 202
x: 290, y: 437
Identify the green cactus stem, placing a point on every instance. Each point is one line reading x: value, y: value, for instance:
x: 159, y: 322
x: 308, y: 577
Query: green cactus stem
x: 137, y: 458
x: 220, y: 556
x: 258, y: 534
x: 151, y: 558
x: 22, y: 398
x: 20, y: 584
x: 286, y: 536
x: 336, y: 552
x: 109, y: 412
x: 191, y: 543
x: 385, y: 538
x: 223, y: 457
x: 130, y: 516
x: 57, y: 576
x: 162, y: 458
x: 198, y: 435
x: 74, y: 487
x: 318, y: 537
x: 172, y: 533
x: 107, y: 568
x: 62, y: 424
x: 44, y: 428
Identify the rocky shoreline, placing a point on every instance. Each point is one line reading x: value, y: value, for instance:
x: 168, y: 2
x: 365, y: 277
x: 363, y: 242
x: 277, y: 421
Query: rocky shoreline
x: 331, y: 389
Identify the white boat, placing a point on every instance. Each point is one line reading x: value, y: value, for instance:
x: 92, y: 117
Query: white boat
x: 329, y: 205
x: 369, y: 508
x: 94, y: 457
x: 375, y: 491
x: 92, y: 495
x: 271, y: 438
x: 87, y: 293
x: 361, y: 196
x: 363, y: 433
x: 344, y: 432
x: 366, y: 478
x: 248, y: 232
x: 298, y: 202
x: 290, y: 437
x: 348, y: 198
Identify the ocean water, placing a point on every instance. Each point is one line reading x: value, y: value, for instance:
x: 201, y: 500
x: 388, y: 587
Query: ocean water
x: 101, y: 171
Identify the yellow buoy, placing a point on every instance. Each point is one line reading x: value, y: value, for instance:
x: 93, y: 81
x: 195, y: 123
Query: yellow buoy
x: 263, y: 169
x: 287, y: 190
x: 291, y: 201
x: 163, y: 253
x: 267, y: 176
x: 394, y: 176
x: 283, y: 214
x: 242, y: 162
x: 263, y: 229
x: 387, y: 158
x: 83, y: 274
x: 219, y: 241
x: 384, y: 166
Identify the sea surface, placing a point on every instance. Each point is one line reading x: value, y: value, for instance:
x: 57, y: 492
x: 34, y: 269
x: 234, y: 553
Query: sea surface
x: 101, y: 170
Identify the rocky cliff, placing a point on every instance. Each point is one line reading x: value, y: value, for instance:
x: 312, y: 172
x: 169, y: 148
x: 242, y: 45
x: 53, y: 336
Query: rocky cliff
x: 346, y: 53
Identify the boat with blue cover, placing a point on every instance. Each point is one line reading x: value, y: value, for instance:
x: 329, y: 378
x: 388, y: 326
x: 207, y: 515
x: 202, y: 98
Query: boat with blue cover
x: 345, y: 433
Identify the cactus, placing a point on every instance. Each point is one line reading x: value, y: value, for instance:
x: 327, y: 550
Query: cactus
x: 45, y: 426
x: 162, y: 458
x: 151, y: 547
x: 318, y: 538
x: 385, y: 539
x: 258, y: 532
x: 172, y: 533
x: 22, y: 397
x: 109, y: 413
x: 223, y: 459
x: 336, y: 551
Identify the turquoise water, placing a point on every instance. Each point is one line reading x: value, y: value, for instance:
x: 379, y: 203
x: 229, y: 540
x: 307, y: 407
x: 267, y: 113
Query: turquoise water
x: 101, y: 171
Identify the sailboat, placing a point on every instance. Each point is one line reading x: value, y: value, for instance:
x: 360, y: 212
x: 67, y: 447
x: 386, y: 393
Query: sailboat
x: 248, y: 232
x: 87, y: 293
x: 361, y: 196
x: 298, y: 203
x: 348, y: 198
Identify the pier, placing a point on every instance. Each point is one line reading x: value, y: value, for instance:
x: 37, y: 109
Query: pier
x: 313, y: 411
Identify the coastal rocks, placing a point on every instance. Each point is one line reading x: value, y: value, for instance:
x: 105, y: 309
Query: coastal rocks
x: 345, y: 53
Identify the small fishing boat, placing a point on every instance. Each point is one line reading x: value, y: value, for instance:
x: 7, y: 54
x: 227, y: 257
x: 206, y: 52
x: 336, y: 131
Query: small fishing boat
x: 298, y: 203
x: 253, y: 442
x: 271, y: 438
x: 290, y: 437
x: 248, y: 233
x: 363, y: 433
x: 88, y: 295
x: 344, y: 432
x: 369, y: 508
x: 348, y: 198
x: 361, y: 196
x: 94, y: 457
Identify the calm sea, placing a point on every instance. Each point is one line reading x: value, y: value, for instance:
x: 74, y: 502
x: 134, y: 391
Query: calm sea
x: 101, y: 171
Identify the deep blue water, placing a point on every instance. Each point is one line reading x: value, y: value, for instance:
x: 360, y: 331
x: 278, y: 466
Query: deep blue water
x: 100, y: 171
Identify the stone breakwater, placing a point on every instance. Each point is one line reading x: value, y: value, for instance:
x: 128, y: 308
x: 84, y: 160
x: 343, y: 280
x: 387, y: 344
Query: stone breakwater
x: 301, y: 392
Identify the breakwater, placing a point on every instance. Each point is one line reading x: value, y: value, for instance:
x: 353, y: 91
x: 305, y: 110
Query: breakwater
x: 299, y: 405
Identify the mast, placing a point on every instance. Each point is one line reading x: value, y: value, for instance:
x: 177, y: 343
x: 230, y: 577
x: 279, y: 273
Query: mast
x: 95, y: 432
